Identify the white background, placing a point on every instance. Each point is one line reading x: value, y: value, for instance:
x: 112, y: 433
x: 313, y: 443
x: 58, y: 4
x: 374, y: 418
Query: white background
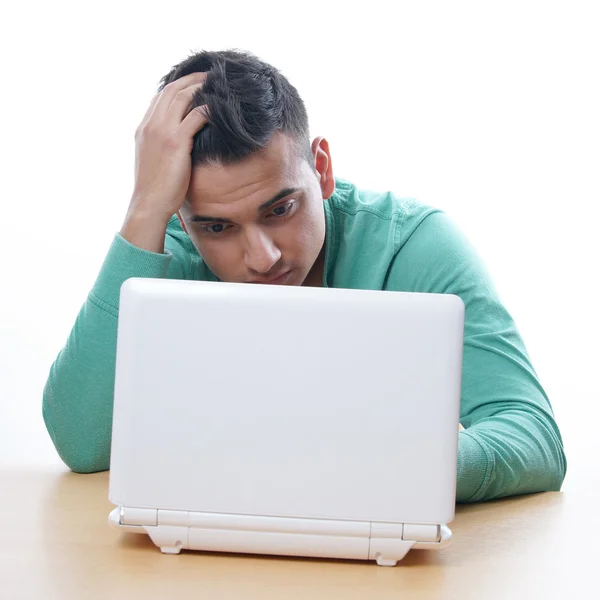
x: 489, y: 111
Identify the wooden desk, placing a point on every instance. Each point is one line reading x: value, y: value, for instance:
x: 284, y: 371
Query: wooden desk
x: 56, y: 543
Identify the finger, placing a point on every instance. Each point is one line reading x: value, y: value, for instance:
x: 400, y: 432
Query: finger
x: 172, y: 89
x: 194, y: 121
x: 182, y: 104
x: 150, y: 110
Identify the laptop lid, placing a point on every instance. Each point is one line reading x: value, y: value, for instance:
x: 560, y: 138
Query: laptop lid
x: 287, y: 401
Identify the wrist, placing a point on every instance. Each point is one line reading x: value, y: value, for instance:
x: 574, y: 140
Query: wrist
x: 145, y: 230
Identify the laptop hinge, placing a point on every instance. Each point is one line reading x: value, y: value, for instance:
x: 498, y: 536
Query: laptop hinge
x: 149, y: 516
x: 138, y: 516
x: 421, y: 533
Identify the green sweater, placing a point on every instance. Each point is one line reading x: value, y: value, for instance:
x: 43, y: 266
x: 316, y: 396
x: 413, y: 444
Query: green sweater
x: 511, y: 443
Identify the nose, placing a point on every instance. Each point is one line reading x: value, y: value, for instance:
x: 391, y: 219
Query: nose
x: 260, y: 252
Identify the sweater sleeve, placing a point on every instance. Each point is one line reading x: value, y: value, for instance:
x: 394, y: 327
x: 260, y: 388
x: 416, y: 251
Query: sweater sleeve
x: 78, y: 395
x: 511, y: 443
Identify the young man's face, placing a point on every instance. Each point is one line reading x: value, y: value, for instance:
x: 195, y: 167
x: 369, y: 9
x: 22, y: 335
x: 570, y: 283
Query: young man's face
x: 245, y: 231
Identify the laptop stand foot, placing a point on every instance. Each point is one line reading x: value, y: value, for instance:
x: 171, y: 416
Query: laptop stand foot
x: 388, y: 551
x: 170, y: 539
x: 170, y: 549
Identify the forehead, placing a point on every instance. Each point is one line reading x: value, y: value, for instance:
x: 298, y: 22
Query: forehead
x: 254, y: 179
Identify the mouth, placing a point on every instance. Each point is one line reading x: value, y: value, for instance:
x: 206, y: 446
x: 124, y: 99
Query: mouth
x: 278, y: 280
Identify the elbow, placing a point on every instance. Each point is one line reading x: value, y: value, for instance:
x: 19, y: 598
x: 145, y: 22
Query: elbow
x: 79, y: 455
x: 84, y: 466
x: 559, y: 468
x: 516, y: 454
x: 83, y: 462
x: 552, y: 455
x: 85, y: 459
x: 547, y: 471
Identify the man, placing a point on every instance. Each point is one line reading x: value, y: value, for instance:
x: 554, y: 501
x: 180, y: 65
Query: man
x: 229, y: 187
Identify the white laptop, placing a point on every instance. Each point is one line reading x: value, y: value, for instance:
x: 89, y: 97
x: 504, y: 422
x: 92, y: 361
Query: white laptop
x: 286, y: 420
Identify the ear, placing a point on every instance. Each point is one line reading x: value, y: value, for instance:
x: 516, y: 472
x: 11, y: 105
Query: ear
x: 323, y: 166
x: 182, y: 223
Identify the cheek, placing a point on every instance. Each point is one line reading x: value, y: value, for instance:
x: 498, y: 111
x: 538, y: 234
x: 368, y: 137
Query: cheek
x: 311, y: 229
x: 217, y: 256
x: 302, y: 240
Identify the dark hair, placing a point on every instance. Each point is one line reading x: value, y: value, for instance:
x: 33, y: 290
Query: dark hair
x: 248, y: 101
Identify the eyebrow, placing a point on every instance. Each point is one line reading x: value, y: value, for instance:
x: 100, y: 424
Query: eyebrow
x: 282, y: 194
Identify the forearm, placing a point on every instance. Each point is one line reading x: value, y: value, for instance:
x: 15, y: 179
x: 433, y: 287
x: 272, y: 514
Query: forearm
x: 77, y: 399
x: 513, y: 452
x: 144, y: 231
x: 78, y: 396
x: 511, y: 444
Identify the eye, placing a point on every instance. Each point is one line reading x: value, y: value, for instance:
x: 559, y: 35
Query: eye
x: 283, y: 209
x: 214, y: 229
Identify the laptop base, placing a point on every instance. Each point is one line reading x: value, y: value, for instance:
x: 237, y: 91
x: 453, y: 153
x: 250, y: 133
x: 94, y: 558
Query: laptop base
x: 385, y: 543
